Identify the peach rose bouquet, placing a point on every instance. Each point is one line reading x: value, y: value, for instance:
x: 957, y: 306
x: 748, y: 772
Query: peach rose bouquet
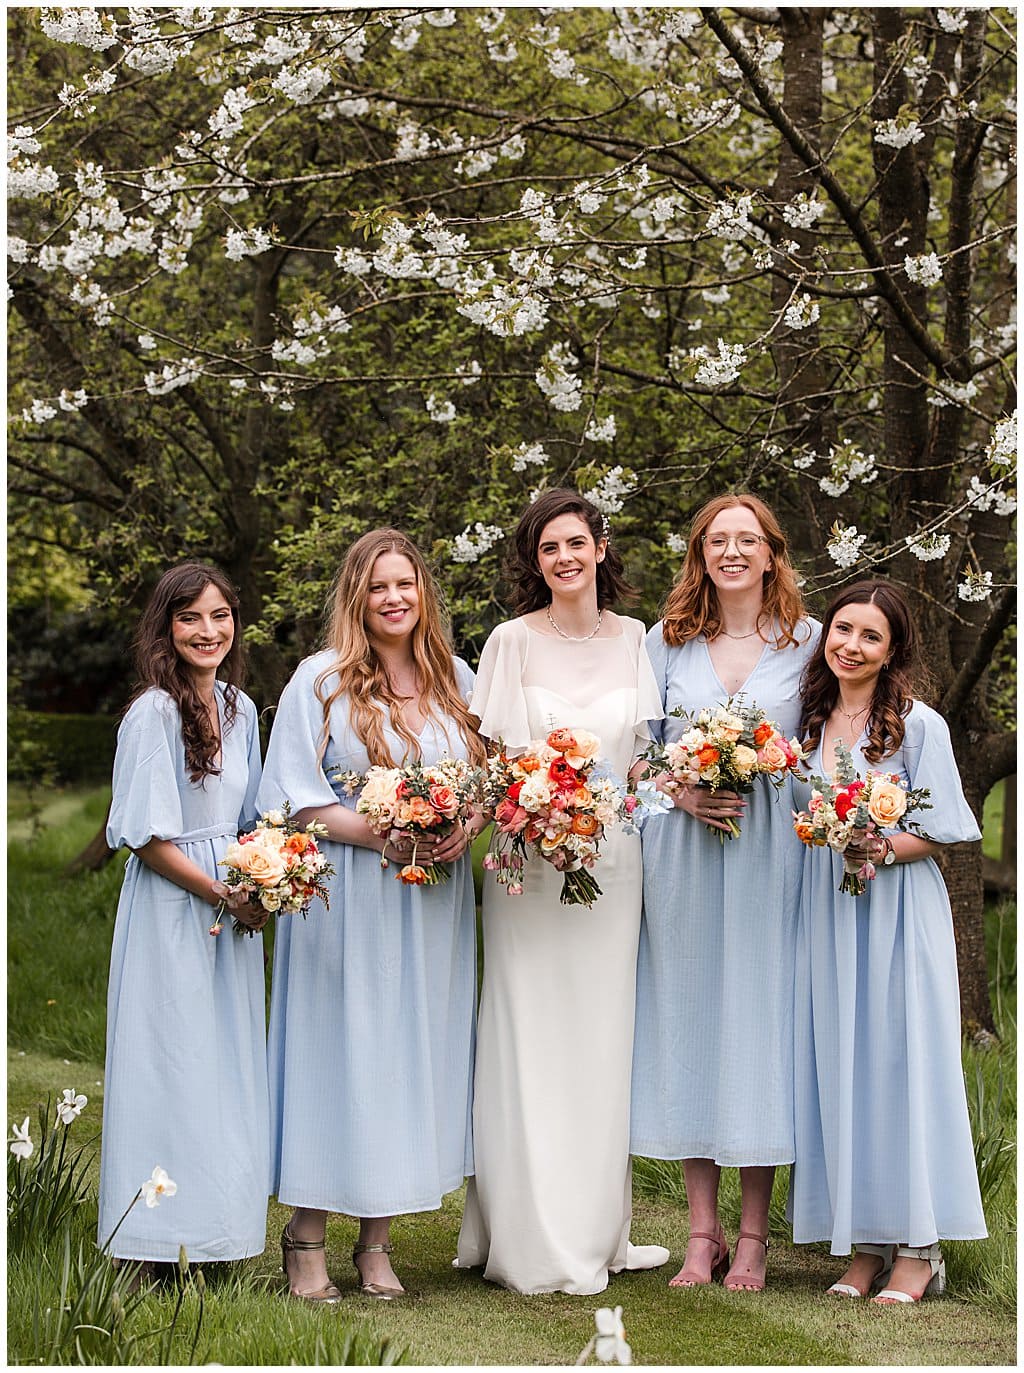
x: 847, y: 809
x: 556, y: 801
x: 421, y: 800
x: 726, y: 747
x: 278, y: 865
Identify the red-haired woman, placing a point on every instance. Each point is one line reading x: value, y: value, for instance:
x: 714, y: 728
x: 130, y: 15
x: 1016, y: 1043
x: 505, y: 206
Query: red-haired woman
x: 186, y: 1080
x: 713, y: 1059
x: 884, y: 1159
x: 371, y: 1019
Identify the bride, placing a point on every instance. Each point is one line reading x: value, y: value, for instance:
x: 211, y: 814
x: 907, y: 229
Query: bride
x: 549, y: 1208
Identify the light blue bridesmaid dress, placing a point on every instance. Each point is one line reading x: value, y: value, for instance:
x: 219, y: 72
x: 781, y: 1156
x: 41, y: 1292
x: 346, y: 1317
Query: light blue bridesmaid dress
x: 373, y: 1003
x: 883, y: 1139
x: 712, y: 1056
x: 186, y: 1078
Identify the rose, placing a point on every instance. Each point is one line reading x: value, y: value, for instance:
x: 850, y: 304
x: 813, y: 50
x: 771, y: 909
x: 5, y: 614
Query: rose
x: 274, y: 817
x: 509, y: 816
x: 514, y: 790
x: 262, y: 861
x: 535, y: 793
x: 707, y: 756
x: 525, y: 765
x: 763, y: 733
x: 550, y: 842
x: 845, y: 802
x: 728, y: 727
x: 417, y: 811
x: 444, y: 800
x: 887, y: 804
x: 584, y: 748
x: 270, y: 901
x: 744, y: 759
x: 775, y: 755
x: 582, y: 797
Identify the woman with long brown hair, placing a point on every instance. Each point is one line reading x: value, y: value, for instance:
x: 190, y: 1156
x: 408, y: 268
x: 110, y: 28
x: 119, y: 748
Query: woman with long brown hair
x: 549, y: 1207
x: 371, y: 1021
x: 713, y: 1060
x: 186, y: 1082
x: 884, y: 1159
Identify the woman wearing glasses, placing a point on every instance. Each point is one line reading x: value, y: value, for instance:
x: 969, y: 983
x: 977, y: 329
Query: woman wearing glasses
x: 713, y: 1057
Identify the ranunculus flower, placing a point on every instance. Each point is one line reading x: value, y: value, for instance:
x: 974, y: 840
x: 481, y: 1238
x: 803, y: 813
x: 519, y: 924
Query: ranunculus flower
x: 846, y: 801
x: 274, y: 817
x: 707, y: 756
x: 381, y: 788
x: 422, y: 812
x: 763, y: 733
x: 888, y: 803
x: 413, y: 875
x: 157, y: 1186
x: 561, y: 740
x: 562, y: 773
x: 584, y: 823
x: 550, y: 842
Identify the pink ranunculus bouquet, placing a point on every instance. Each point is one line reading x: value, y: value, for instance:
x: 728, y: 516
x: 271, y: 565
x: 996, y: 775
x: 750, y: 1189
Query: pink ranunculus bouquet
x: 848, y: 809
x: 554, y: 800
x: 279, y: 865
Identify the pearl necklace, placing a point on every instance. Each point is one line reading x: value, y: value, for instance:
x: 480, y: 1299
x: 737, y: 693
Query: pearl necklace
x: 574, y: 638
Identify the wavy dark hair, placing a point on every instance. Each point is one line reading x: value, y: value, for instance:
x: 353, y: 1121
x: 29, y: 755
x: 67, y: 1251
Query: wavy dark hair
x: 529, y: 590
x: 157, y: 663
x: 362, y: 677
x: 896, y: 684
x: 691, y: 607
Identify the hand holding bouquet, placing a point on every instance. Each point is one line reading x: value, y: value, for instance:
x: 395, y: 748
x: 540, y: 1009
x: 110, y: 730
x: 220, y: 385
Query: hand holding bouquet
x: 551, y: 799
x: 279, y: 866
x: 846, y: 812
x: 423, y: 801
x: 726, y: 747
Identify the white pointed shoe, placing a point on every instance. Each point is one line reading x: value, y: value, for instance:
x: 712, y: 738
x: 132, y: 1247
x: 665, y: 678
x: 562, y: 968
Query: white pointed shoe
x: 936, y: 1285
x: 886, y: 1252
x: 640, y: 1257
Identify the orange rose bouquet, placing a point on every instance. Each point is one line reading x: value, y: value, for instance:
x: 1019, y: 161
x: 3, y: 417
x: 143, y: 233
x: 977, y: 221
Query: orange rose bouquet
x: 421, y: 800
x: 555, y: 800
x: 278, y: 865
x: 848, y: 809
x: 727, y: 747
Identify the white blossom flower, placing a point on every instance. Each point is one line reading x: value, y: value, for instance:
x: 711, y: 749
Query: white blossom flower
x: 976, y: 586
x: 803, y: 212
x: 146, y: 342
x: 80, y: 25
x: 21, y: 142
x: 70, y: 1106
x: 497, y: 53
x: 801, y: 461
x: 929, y: 548
x: 528, y: 454
x: 731, y: 218
x: 562, y: 386
x: 173, y: 375
x: 953, y: 393
x: 30, y: 179
x: 588, y: 200
x: 474, y: 542
x: 441, y: 412
x: 509, y: 310
x: 441, y: 19
x: 844, y: 544
x: 677, y: 544
x: 562, y: 65
x: 302, y: 85
x: 893, y: 134
x: 982, y: 497
x: 925, y: 268
x: 1002, y: 447
x: 352, y: 261
x: 413, y: 141
x: 601, y: 431
x: 802, y: 312
x: 17, y: 248
x: 241, y: 243
x: 21, y: 1146
x: 721, y: 368
x: 475, y: 162
x: 513, y: 148
x: 952, y: 21
x: 490, y: 19
x: 72, y: 400
x: 680, y: 24
x: 157, y: 1186
x: 154, y: 59
x: 38, y: 412
x: 611, y: 491
x: 408, y: 34
x: 228, y: 118
x: 610, y: 1342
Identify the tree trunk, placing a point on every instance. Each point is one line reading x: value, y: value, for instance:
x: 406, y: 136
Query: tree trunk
x: 96, y: 854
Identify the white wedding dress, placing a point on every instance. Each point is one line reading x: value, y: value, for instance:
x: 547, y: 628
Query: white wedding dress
x: 549, y: 1207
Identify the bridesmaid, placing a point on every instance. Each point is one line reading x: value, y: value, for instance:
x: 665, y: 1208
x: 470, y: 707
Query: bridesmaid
x: 371, y: 1019
x: 712, y: 1063
x: 884, y: 1159
x: 186, y: 1081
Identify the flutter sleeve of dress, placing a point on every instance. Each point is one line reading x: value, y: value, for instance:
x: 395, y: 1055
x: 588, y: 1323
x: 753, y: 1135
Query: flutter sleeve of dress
x: 464, y: 679
x: 929, y: 759
x: 649, y: 707
x: 146, y: 803
x: 498, y: 699
x: 657, y: 657
x: 293, y: 771
x: 247, y: 710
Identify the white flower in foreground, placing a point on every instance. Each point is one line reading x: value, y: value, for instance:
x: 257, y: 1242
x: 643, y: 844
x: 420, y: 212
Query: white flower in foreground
x: 610, y: 1344
x: 926, y: 269
x: 562, y: 387
x: 976, y: 586
x: 676, y: 543
x: 844, y: 545
x: 802, y: 312
x: 70, y: 1106
x: 528, y: 454
x: 1002, y: 448
x: 21, y: 1146
x: 803, y: 213
x: 895, y: 135
x: 928, y: 548
x: 611, y: 491
x: 953, y: 21
x: 722, y: 368
x: 601, y: 431
x: 157, y: 1186
x: 441, y: 412
x: 469, y: 547
x: 241, y: 243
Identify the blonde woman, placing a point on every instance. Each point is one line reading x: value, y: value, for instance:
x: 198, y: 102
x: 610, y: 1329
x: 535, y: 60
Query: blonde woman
x: 371, y: 1021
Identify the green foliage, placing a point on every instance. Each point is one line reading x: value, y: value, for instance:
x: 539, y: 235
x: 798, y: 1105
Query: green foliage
x: 44, y: 1190
x: 44, y: 748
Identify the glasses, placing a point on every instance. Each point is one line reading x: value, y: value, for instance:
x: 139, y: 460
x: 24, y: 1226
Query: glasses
x: 745, y: 543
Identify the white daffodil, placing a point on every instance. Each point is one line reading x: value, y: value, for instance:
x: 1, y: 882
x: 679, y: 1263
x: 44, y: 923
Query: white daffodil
x: 157, y: 1186
x: 70, y: 1106
x: 21, y: 1145
x: 610, y: 1343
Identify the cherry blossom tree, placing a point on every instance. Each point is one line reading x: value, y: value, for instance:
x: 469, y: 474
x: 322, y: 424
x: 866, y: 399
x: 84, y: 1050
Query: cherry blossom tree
x: 278, y: 273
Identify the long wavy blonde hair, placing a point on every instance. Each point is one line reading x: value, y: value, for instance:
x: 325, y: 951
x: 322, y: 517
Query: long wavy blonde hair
x: 361, y: 675
x: 691, y: 607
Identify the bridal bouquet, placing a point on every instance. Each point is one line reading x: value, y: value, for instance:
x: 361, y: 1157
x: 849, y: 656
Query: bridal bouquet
x: 424, y: 800
x: 727, y: 747
x: 847, y: 809
x: 553, y: 799
x: 279, y: 865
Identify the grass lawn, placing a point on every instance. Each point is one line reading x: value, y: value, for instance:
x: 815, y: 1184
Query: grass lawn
x: 58, y: 948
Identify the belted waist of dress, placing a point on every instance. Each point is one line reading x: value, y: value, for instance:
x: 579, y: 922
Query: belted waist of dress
x: 211, y: 832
